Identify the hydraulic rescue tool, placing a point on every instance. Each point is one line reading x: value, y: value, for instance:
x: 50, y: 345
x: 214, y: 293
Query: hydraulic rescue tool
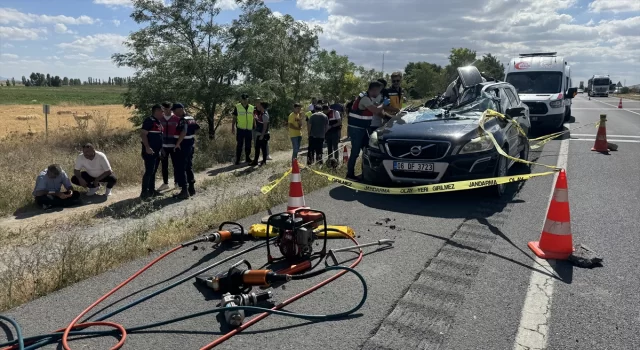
x: 296, y: 233
x: 386, y: 242
x: 239, y: 281
x: 234, y: 234
x: 235, y: 317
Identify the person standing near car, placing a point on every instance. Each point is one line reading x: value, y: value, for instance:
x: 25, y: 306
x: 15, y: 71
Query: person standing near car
x: 262, y: 133
x: 185, y: 148
x: 169, y: 136
x: 335, y: 129
x: 367, y: 105
x: 295, y: 125
x: 318, y: 126
x: 242, y: 126
x: 151, y: 139
x: 395, y: 93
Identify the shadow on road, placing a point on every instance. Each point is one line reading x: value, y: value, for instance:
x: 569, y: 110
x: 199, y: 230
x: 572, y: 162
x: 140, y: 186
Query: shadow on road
x: 32, y: 210
x: 457, y: 204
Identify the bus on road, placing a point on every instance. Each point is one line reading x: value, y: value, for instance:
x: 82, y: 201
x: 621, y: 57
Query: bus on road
x: 598, y: 85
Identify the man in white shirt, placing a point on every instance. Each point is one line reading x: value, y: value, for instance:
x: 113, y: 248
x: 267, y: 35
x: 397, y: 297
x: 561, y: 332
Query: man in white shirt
x: 96, y: 170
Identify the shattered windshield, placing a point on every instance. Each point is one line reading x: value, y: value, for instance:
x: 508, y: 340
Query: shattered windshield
x: 472, y: 108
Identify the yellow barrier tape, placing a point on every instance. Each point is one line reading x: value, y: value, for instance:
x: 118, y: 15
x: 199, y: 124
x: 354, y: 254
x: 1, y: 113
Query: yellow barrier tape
x: 271, y: 185
x: 489, y: 113
x: 443, y: 187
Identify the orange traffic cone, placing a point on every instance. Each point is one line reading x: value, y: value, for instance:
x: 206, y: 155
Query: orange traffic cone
x: 345, y: 155
x: 296, y: 196
x: 556, y: 241
x: 620, y: 104
x: 601, y: 144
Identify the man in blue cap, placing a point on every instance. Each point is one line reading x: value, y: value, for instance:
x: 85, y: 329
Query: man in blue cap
x: 151, y: 138
x: 185, y: 148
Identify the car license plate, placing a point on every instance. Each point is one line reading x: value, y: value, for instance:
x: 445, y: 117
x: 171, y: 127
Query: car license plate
x: 418, y: 167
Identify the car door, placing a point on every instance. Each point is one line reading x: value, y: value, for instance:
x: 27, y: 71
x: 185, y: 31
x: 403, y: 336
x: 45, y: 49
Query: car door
x: 523, y: 121
x: 510, y: 131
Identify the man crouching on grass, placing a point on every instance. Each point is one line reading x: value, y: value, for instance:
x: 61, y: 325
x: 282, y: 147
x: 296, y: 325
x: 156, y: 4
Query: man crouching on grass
x: 48, y: 192
x: 96, y: 170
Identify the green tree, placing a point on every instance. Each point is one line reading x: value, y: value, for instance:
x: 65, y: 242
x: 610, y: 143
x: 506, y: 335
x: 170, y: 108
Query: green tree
x: 276, y: 52
x: 459, y: 57
x: 491, y: 66
x: 13, y: 82
x: 180, y: 54
x: 335, y: 76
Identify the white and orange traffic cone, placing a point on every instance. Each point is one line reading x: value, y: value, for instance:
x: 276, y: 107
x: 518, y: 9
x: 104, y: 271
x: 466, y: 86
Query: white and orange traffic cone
x: 556, y: 240
x: 601, y: 144
x: 296, y: 195
x: 345, y: 155
x: 620, y: 104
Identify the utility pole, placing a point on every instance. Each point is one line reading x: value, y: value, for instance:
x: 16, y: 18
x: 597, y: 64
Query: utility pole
x: 383, y: 65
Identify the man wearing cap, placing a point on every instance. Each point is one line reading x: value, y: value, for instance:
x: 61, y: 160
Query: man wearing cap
x: 256, y: 116
x: 170, y: 134
x: 151, y: 139
x: 185, y: 148
x: 243, y: 121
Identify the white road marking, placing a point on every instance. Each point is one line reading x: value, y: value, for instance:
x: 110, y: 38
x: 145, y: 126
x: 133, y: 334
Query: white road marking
x: 609, y: 140
x: 534, y: 322
x: 620, y: 109
x: 593, y: 135
x: 593, y: 109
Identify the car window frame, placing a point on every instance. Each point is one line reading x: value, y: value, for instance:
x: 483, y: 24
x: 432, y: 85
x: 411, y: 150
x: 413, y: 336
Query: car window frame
x: 515, y: 101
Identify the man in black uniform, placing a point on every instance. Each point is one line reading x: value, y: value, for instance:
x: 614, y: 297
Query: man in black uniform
x: 185, y: 148
x: 151, y: 137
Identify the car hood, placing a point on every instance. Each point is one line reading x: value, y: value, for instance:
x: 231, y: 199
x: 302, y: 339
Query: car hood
x: 430, y: 123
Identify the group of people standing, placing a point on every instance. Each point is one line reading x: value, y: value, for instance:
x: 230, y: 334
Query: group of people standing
x: 169, y: 133
x: 251, y: 123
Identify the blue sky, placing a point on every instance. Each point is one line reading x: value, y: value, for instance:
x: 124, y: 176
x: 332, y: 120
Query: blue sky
x: 76, y: 38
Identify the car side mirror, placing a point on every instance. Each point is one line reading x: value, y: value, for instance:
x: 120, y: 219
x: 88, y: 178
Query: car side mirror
x: 515, y: 112
x: 571, y: 93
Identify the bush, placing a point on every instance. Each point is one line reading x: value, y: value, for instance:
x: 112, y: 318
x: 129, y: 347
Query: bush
x: 624, y: 90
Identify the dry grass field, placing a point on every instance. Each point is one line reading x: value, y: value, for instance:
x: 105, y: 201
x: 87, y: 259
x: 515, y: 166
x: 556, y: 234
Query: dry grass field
x: 29, y: 119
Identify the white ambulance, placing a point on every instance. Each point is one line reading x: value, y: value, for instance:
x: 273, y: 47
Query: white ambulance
x: 543, y: 81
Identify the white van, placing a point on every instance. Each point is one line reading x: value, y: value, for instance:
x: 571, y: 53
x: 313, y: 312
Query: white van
x: 543, y: 81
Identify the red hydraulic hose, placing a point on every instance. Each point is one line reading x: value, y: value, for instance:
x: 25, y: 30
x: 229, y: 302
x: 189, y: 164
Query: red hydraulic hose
x: 123, y: 332
x: 258, y: 318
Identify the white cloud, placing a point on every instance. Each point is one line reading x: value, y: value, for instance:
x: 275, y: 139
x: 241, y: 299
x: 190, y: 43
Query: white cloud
x: 92, y: 42
x: 16, y: 33
x: 113, y: 3
x: 9, y: 56
x: 116, y: 22
x: 62, y: 29
x: 615, y: 6
x: 13, y: 16
x: 79, y: 56
x: 7, y: 45
x: 432, y: 28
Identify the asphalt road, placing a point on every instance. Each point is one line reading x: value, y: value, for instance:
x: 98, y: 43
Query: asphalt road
x: 458, y: 276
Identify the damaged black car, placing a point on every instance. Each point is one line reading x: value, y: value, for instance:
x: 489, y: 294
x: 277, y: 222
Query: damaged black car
x: 441, y: 142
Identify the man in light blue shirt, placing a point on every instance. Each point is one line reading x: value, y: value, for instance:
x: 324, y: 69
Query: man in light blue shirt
x: 48, y: 192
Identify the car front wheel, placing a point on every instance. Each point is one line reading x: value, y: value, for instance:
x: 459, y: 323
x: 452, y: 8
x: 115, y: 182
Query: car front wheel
x: 501, y: 170
x: 567, y: 114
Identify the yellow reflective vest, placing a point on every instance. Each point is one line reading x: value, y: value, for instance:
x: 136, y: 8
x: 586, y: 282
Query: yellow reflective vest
x: 245, y: 116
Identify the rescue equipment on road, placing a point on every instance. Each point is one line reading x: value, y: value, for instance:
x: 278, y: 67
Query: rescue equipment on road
x: 234, y: 317
x: 601, y: 144
x: 296, y: 233
x: 556, y: 240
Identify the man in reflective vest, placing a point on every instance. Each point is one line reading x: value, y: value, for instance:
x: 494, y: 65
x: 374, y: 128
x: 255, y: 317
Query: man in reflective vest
x: 169, y: 136
x: 395, y: 92
x: 243, y: 121
x: 185, y: 148
x: 366, y: 105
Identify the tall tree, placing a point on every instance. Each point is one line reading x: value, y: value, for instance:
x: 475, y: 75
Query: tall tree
x: 492, y: 66
x: 276, y: 54
x: 13, y: 81
x: 335, y: 76
x: 459, y: 57
x: 179, y: 46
